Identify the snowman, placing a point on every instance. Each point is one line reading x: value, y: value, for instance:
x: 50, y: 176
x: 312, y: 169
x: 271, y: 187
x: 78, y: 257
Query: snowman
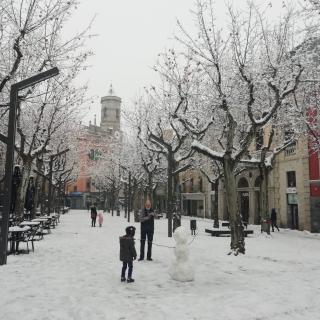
x: 181, y: 270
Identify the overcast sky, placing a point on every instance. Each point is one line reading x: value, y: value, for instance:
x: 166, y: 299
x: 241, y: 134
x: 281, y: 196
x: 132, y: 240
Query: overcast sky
x: 131, y: 33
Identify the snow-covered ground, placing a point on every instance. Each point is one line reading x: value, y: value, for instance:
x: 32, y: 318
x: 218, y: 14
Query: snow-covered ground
x: 74, y: 273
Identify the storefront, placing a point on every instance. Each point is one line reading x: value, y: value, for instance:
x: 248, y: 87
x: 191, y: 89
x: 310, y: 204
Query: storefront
x: 194, y: 204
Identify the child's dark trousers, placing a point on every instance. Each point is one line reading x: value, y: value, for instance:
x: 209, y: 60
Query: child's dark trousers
x: 126, y: 264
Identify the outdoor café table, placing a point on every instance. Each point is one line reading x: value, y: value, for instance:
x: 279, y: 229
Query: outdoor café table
x: 30, y: 223
x: 42, y: 220
x: 45, y: 222
x: 16, y: 233
x: 55, y: 217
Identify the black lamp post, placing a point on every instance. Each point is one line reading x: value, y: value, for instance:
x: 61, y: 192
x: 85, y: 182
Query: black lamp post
x: 15, y: 88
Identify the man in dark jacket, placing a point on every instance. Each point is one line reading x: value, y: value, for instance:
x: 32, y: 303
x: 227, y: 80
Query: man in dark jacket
x: 274, y: 219
x: 147, y: 229
x: 93, y: 215
x: 127, y: 253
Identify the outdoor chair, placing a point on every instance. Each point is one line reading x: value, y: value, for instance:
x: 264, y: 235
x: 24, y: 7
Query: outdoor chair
x: 53, y: 222
x: 26, y: 238
x: 39, y: 233
x: 47, y: 226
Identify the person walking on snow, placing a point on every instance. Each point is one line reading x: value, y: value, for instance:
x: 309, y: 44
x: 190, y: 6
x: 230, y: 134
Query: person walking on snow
x: 100, y: 218
x: 274, y: 219
x: 147, y: 229
x: 93, y: 215
x: 127, y: 253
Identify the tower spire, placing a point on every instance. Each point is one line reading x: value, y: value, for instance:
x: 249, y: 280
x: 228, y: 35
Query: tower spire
x: 111, y: 92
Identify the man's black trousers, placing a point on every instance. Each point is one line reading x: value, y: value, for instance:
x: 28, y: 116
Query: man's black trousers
x: 146, y: 234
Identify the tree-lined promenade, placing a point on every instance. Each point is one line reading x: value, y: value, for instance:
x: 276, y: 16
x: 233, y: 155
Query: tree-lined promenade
x: 228, y: 98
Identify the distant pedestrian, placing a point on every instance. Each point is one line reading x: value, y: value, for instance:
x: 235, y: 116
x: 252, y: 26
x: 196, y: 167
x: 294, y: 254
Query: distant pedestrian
x: 93, y: 215
x: 127, y: 253
x: 274, y: 219
x: 147, y: 229
x: 100, y: 218
x: 88, y: 204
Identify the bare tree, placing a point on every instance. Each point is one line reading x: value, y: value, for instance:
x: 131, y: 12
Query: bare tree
x: 242, y: 66
x: 31, y: 39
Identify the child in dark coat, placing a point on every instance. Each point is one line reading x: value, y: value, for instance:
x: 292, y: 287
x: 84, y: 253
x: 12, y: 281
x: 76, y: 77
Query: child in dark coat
x: 127, y: 253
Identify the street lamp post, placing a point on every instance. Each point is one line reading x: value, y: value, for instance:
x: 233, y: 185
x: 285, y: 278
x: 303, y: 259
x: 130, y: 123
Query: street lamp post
x: 15, y: 88
x: 129, y: 197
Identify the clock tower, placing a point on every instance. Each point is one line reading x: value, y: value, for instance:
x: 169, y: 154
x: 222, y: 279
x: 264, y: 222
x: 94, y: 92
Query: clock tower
x: 110, y: 112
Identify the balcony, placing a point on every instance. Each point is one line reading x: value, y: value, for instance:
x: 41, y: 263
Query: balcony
x: 291, y: 150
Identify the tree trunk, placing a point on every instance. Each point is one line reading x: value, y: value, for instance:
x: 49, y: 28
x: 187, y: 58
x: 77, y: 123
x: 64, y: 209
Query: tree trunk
x: 125, y: 200
x: 21, y: 193
x: 237, y: 236
x: 177, y: 202
x: 129, y: 197
x: 37, y: 189
x: 50, y: 191
x: 149, y: 189
x: 264, y: 210
x: 154, y: 198
x: 169, y: 193
x: 43, y: 195
x: 216, y: 205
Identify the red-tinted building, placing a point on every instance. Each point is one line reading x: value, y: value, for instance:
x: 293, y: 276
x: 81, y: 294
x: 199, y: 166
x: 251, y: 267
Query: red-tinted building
x: 94, y: 141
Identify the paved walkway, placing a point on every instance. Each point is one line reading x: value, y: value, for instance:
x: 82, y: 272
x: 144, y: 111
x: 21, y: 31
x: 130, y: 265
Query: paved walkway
x: 74, y: 274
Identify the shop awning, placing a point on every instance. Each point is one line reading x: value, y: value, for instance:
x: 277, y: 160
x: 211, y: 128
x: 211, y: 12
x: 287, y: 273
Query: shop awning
x: 193, y: 196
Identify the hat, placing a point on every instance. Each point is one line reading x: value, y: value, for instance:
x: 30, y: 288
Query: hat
x: 130, y: 231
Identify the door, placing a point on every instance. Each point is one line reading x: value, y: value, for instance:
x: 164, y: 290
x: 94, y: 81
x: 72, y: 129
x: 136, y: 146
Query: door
x: 244, y: 206
x: 294, y: 216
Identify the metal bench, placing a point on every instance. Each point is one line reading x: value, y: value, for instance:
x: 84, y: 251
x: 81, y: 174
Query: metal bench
x: 227, y: 224
x: 217, y: 233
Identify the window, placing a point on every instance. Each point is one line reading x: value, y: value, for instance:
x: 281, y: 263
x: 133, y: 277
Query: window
x: 243, y: 183
x: 191, y: 185
x: 291, y: 179
x: 259, y: 139
x: 88, y: 185
x: 75, y: 189
x: 91, y: 154
x: 257, y: 182
x: 94, y: 154
x: 200, y: 185
x: 117, y: 114
x: 288, y: 134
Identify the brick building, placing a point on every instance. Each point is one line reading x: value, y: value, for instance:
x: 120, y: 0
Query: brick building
x: 94, y: 141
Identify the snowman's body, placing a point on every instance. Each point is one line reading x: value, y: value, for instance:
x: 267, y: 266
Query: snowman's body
x: 181, y: 270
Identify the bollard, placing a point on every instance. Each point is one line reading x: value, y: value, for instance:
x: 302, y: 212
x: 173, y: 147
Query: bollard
x: 193, y: 226
x: 136, y: 215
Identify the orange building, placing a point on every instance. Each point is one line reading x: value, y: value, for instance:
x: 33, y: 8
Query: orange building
x: 94, y: 141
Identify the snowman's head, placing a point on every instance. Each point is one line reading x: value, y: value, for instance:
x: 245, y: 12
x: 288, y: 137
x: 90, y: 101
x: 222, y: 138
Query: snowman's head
x: 180, y: 235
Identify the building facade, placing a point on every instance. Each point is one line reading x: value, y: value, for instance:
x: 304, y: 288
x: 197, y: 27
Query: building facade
x: 294, y: 190
x: 94, y: 141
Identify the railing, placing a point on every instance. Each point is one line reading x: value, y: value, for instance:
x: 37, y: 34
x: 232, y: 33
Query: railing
x: 291, y: 150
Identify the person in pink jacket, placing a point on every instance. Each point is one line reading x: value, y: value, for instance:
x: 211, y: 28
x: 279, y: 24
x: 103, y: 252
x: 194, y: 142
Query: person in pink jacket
x: 100, y: 218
